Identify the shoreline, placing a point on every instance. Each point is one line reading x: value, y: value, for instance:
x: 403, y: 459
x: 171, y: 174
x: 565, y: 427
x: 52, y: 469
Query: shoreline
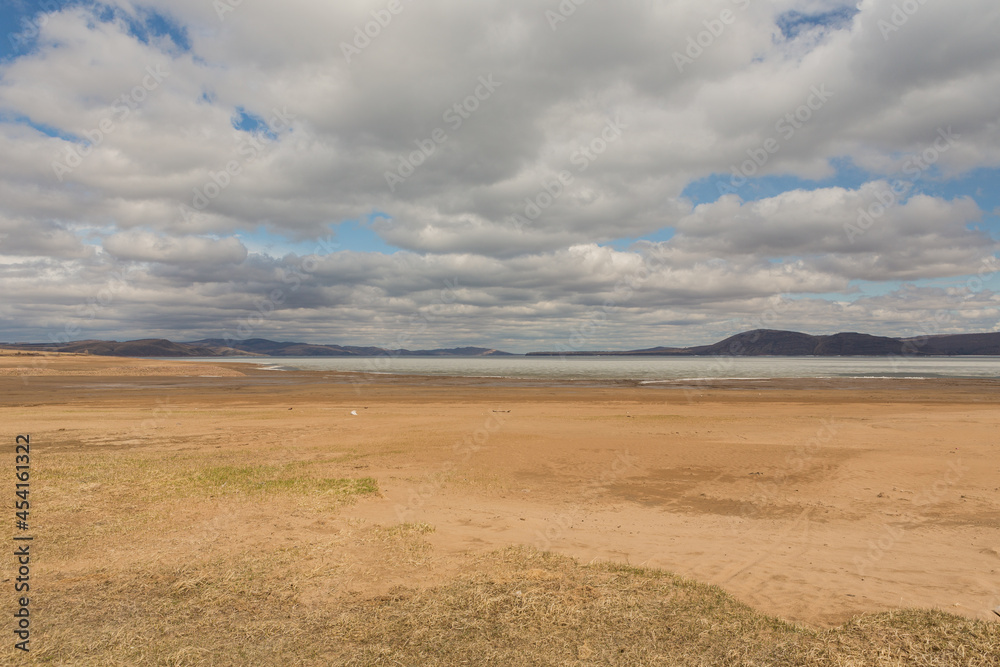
x: 76, y: 364
x: 108, y: 363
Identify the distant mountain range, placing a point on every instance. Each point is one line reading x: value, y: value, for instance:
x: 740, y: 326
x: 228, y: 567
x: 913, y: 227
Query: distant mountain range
x: 270, y: 348
x: 253, y: 347
x: 769, y: 342
x: 760, y: 342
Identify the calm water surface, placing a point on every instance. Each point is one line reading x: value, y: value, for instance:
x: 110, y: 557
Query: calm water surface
x: 650, y: 369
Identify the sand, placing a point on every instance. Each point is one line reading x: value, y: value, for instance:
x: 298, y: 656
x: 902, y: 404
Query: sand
x: 810, y: 500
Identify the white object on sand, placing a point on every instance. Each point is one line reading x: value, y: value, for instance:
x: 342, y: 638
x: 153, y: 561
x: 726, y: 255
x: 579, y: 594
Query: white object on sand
x: 354, y: 412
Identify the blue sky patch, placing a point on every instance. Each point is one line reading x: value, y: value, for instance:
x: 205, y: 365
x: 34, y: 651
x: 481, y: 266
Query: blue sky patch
x: 21, y: 21
x: 245, y: 121
x: 711, y: 188
x: 47, y: 130
x: 148, y: 25
x: 350, y: 235
x: 626, y: 244
x: 793, y: 23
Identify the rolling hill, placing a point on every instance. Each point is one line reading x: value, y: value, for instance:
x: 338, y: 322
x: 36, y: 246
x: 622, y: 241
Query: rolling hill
x: 770, y: 342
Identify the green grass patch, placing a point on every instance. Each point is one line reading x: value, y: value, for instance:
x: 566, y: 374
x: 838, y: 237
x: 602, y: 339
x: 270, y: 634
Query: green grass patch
x: 275, y: 479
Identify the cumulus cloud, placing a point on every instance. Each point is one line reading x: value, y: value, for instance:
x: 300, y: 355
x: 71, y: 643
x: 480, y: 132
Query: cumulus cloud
x: 867, y: 234
x: 494, y: 145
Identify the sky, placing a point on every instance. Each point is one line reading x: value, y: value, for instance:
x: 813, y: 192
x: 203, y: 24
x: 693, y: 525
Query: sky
x: 513, y: 174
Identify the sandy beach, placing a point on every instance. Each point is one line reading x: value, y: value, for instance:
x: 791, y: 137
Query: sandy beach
x: 813, y: 501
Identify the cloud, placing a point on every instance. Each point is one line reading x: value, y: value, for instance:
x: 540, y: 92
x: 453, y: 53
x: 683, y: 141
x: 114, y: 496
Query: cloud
x: 20, y: 237
x: 921, y: 237
x: 147, y: 247
x: 123, y: 148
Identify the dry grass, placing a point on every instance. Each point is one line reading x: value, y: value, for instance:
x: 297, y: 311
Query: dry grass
x: 516, y: 607
x: 528, y: 608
